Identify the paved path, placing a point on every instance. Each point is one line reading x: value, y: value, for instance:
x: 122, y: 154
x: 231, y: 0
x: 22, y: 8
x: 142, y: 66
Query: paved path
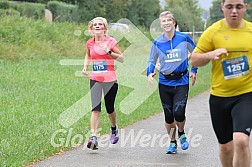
x: 144, y: 144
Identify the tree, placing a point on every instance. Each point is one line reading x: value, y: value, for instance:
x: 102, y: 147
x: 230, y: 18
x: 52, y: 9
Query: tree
x: 248, y: 15
x: 117, y: 9
x: 187, y: 14
x: 88, y: 9
x: 45, y: 1
x: 215, y: 12
x: 143, y: 12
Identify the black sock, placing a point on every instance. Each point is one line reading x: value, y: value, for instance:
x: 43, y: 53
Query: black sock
x: 113, y: 128
x: 181, y: 133
x: 174, y: 141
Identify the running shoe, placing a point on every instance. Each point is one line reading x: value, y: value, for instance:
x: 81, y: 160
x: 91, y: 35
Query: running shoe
x: 93, y: 143
x: 172, y: 149
x: 183, y: 142
x: 114, y: 138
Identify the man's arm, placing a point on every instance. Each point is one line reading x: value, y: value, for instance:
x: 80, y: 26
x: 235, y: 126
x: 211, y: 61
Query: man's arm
x: 199, y: 59
x: 152, y: 63
x: 202, y: 59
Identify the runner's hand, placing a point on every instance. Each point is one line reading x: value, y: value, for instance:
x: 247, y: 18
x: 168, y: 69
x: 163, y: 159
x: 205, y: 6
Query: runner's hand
x: 150, y: 77
x: 193, y: 77
x: 84, y: 72
x: 215, y: 55
x: 104, y: 47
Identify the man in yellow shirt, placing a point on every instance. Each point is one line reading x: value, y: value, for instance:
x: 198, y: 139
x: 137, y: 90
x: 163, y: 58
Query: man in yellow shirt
x: 228, y: 45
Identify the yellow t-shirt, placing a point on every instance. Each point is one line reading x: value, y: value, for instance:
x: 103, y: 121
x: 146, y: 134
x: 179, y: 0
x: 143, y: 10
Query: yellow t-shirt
x: 231, y: 75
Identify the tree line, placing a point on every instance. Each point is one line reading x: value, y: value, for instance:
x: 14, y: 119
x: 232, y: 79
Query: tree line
x: 144, y: 12
x: 139, y: 12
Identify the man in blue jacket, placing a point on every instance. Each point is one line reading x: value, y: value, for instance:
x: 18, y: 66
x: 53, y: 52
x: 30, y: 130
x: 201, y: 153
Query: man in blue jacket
x: 171, y: 48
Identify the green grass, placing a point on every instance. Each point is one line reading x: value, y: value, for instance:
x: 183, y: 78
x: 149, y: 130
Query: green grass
x: 33, y: 95
x: 35, y: 89
x: 202, y: 81
x: 23, y: 38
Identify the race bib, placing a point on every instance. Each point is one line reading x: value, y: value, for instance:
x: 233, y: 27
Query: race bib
x: 173, y: 55
x: 233, y: 68
x: 99, y: 66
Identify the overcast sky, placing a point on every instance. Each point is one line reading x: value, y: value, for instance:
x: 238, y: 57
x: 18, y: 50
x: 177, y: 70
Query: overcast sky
x: 205, y: 3
x: 202, y: 3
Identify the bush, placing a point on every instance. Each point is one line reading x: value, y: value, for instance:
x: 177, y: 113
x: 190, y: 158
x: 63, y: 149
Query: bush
x: 4, y: 4
x: 31, y: 10
x: 63, y: 12
x: 9, y: 12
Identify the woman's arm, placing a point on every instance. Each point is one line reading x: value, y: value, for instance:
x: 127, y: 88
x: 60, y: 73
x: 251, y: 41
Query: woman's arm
x: 87, y: 61
x: 117, y: 54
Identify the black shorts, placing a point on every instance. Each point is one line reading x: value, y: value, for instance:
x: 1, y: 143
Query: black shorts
x: 109, y: 90
x: 231, y: 114
x: 174, y: 99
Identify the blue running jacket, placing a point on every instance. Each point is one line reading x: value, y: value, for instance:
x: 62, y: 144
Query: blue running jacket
x: 173, y: 57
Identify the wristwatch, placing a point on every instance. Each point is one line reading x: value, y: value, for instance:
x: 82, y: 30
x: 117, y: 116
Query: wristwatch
x: 109, y: 52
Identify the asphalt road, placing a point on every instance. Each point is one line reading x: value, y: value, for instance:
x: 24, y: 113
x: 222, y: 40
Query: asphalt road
x: 144, y: 144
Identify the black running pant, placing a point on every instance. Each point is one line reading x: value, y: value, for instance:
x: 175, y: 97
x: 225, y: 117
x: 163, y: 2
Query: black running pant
x: 109, y: 90
x: 174, y: 99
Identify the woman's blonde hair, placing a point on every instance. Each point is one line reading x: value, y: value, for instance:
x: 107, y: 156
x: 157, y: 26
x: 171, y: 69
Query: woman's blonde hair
x: 104, y: 21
